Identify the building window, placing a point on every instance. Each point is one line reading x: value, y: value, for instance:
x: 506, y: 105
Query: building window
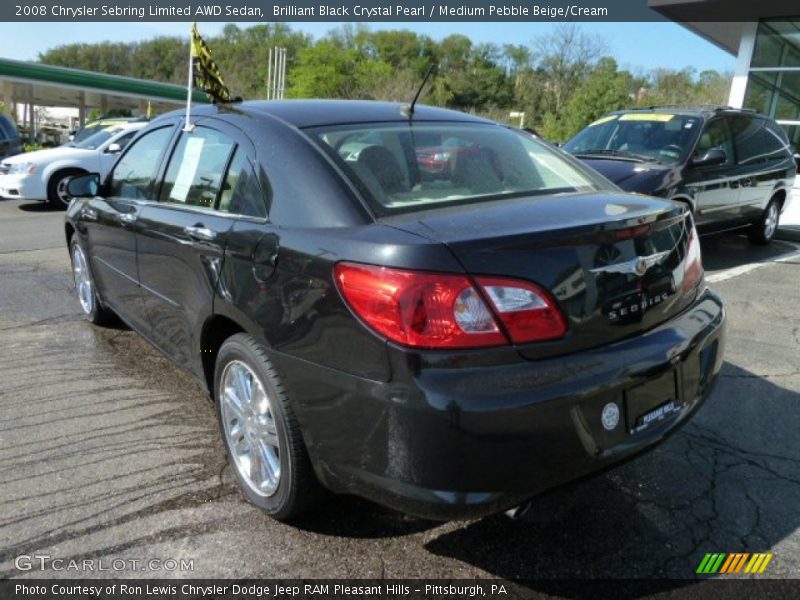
x: 773, y: 86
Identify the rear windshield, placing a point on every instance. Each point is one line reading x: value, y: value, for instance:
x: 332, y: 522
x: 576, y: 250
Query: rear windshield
x: 659, y: 137
x: 402, y: 167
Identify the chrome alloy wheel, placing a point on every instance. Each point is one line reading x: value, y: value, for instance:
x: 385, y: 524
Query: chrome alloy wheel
x: 250, y: 429
x: 83, y: 279
x: 771, y: 220
x: 61, y: 190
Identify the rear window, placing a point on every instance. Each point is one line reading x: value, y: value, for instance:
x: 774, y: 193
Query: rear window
x: 402, y: 167
x: 757, y: 142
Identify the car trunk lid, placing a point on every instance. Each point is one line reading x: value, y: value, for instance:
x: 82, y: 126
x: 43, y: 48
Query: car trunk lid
x: 613, y: 262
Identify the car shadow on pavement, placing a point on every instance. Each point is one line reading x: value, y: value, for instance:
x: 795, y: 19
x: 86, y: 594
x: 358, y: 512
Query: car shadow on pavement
x: 727, y: 482
x: 352, y: 517
x: 38, y: 207
x: 728, y: 250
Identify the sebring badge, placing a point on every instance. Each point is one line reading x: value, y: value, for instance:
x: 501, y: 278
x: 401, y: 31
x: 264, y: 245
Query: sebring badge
x: 636, y: 266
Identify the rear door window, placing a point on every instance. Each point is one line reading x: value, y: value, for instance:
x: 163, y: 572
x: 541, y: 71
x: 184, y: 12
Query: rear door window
x: 241, y: 193
x: 197, y: 168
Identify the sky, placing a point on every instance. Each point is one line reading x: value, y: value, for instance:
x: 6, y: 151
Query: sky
x: 634, y: 45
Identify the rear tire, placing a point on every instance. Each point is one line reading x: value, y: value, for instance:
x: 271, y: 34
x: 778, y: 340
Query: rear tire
x: 85, y: 287
x: 763, y: 231
x: 57, y: 197
x: 262, y: 438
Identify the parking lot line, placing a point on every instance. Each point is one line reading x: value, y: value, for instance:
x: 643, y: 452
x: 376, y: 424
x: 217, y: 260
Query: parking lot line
x: 747, y: 268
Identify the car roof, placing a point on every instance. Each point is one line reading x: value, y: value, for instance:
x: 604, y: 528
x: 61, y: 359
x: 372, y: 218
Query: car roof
x: 112, y: 120
x: 132, y: 125
x: 316, y: 113
x: 697, y: 111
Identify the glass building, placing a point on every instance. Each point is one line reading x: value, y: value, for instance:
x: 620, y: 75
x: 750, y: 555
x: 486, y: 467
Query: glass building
x: 773, y: 85
x: 764, y: 35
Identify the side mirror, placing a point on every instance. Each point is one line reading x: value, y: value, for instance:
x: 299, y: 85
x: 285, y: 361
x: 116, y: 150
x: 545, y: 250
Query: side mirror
x: 710, y: 158
x: 114, y: 148
x: 84, y: 186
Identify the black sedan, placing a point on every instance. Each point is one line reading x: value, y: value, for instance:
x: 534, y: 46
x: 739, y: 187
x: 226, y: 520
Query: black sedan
x: 446, y: 343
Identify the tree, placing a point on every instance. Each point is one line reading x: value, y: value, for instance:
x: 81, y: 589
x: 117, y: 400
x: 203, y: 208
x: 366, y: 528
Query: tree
x: 685, y: 87
x: 470, y: 77
x: 604, y: 89
x: 565, y: 58
x: 329, y: 70
x: 559, y: 81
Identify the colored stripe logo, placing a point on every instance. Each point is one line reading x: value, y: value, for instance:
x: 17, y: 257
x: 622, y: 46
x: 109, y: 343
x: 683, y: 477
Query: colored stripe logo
x: 737, y: 562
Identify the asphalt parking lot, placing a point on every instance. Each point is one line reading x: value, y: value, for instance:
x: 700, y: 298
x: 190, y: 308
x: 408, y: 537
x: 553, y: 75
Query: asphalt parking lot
x: 108, y: 451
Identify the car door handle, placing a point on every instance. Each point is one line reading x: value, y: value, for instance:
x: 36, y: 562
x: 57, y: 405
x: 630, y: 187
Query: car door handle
x: 200, y: 232
x: 126, y: 218
x: 747, y: 182
x: 88, y: 214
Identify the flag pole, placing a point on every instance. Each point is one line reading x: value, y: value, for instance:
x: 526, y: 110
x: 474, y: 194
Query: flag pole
x: 187, y: 126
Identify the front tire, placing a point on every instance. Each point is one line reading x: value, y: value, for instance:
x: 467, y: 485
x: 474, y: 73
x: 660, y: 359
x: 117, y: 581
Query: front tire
x: 763, y: 231
x: 57, y: 196
x: 262, y: 437
x: 85, y: 287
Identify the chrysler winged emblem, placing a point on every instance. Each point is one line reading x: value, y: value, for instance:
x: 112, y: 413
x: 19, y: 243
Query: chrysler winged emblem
x: 636, y: 266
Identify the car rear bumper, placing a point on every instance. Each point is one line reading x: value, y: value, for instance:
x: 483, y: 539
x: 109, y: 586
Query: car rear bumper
x: 21, y: 186
x: 446, y: 440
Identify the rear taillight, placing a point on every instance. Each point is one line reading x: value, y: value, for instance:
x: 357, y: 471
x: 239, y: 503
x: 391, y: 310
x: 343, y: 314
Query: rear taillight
x: 528, y: 314
x: 442, y: 310
x: 693, y: 268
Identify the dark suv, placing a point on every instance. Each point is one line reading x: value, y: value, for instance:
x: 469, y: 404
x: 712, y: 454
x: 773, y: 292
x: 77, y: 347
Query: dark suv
x: 734, y: 168
x: 9, y: 140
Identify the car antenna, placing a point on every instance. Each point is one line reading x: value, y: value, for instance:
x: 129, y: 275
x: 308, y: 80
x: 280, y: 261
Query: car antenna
x: 409, y: 109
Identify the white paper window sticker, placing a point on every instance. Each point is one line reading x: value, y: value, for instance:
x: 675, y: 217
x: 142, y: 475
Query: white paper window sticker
x: 188, y: 169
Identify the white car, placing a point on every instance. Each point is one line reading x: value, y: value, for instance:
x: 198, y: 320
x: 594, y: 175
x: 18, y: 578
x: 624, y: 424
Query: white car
x: 43, y: 175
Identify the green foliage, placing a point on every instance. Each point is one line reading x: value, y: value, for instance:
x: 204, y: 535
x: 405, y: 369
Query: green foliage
x: 96, y: 113
x: 684, y: 88
x: 562, y: 81
x: 328, y: 69
x: 604, y: 89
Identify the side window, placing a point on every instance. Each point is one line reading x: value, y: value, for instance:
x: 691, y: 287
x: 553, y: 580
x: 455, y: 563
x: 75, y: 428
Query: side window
x: 125, y: 139
x: 717, y: 134
x: 755, y: 142
x: 241, y: 193
x: 134, y: 175
x: 197, y: 168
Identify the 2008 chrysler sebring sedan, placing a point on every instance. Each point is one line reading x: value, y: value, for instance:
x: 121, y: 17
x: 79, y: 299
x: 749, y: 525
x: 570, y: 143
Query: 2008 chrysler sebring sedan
x: 448, y: 342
